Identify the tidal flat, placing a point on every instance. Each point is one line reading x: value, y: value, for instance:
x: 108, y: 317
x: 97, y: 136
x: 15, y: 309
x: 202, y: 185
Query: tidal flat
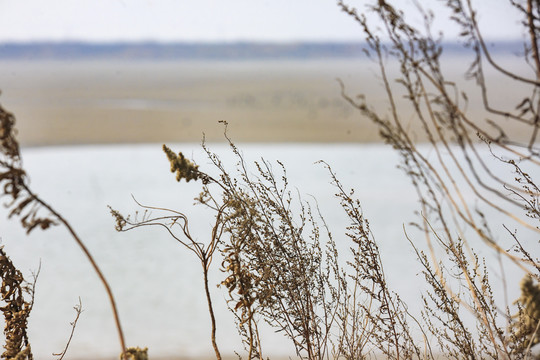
x: 98, y: 102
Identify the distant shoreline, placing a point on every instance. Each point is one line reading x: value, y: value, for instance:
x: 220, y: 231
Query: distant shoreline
x: 75, y: 50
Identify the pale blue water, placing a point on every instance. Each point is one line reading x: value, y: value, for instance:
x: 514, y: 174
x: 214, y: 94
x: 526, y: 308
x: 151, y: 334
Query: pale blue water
x: 158, y: 283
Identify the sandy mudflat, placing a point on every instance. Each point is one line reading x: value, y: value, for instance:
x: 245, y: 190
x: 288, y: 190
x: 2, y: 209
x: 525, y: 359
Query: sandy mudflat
x: 58, y: 103
x: 82, y: 102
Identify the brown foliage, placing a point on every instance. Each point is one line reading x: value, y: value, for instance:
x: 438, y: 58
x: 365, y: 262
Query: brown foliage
x: 13, y: 179
x: 16, y: 310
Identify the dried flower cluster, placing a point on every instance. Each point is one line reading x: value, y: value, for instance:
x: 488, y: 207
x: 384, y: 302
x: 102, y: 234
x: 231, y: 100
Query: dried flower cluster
x: 184, y: 168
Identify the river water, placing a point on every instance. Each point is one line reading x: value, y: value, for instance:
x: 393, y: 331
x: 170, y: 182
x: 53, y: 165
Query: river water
x: 158, y: 284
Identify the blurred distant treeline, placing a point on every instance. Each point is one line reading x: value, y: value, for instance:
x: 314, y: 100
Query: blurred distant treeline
x: 187, y: 51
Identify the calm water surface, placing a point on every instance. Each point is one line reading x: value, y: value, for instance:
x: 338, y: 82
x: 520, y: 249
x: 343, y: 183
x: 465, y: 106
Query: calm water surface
x: 158, y: 283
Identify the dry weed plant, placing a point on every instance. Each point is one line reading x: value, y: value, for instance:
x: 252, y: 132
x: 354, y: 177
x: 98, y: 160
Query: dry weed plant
x: 272, y: 269
x: 281, y: 263
x: 277, y: 269
x: 458, y: 175
x: 30, y: 208
x: 281, y: 266
x: 16, y: 309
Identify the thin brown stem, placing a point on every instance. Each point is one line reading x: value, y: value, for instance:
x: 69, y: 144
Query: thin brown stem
x: 210, y: 308
x: 92, y: 262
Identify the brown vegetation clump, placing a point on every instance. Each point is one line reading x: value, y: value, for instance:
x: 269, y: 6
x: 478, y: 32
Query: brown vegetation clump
x: 527, y: 324
x: 15, y: 310
x: 136, y: 353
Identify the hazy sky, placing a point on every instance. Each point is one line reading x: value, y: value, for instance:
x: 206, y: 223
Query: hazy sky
x: 208, y: 20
